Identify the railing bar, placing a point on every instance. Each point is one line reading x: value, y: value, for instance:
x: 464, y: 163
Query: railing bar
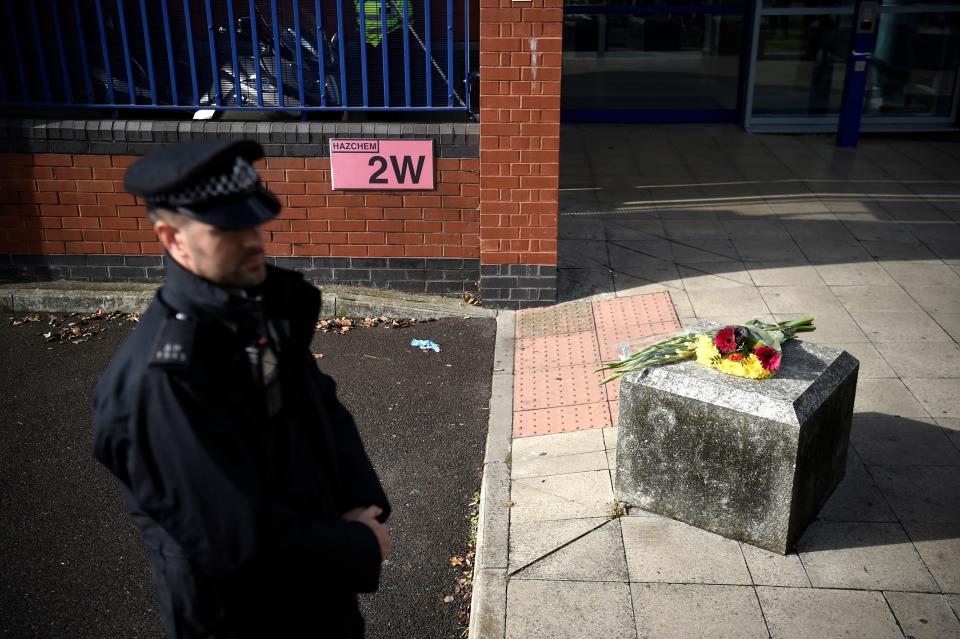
x: 83, y: 51
x: 383, y: 52
x: 67, y: 86
x: 148, y: 50
x: 237, y: 85
x: 170, y: 63
x: 126, y: 53
x: 16, y: 47
x: 320, y: 43
x: 466, y: 54
x: 450, y: 90
x: 157, y: 107
x: 362, y: 10
x: 256, y: 52
x: 342, y: 61
x: 406, y: 51
x: 106, y: 54
x: 41, y: 58
x: 428, y: 52
x: 277, y: 66
x: 296, y: 35
x: 213, y: 54
x: 193, y: 62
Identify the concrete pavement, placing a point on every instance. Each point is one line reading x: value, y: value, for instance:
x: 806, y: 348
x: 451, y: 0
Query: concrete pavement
x: 730, y: 226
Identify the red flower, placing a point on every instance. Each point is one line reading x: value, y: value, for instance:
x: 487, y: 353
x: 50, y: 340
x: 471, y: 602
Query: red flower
x: 769, y: 357
x: 735, y: 357
x: 726, y: 340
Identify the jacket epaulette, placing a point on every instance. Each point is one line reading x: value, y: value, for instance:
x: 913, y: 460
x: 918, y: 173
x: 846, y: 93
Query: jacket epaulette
x: 173, y: 346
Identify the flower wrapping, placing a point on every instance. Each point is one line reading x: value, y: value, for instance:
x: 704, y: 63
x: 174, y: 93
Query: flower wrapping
x: 752, y: 350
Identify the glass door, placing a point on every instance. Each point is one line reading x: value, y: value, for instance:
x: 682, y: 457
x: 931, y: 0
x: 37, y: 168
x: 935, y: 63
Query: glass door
x: 913, y: 78
x: 799, y: 61
x: 656, y: 61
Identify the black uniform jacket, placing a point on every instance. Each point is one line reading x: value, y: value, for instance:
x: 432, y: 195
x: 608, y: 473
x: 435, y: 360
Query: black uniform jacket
x: 237, y: 461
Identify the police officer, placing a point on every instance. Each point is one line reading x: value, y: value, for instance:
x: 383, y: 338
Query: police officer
x: 261, y: 512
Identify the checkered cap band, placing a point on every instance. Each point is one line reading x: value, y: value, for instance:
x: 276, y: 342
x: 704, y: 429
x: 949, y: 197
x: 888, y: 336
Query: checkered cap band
x: 241, y: 179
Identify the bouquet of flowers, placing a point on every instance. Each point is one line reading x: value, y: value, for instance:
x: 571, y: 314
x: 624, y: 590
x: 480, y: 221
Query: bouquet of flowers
x: 751, y: 350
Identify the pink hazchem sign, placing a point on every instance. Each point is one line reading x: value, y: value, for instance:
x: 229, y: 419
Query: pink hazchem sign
x: 381, y: 164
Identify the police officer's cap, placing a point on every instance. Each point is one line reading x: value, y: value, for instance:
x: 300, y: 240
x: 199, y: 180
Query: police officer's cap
x: 212, y: 181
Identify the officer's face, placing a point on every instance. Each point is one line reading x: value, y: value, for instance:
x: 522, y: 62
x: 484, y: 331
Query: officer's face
x: 231, y: 258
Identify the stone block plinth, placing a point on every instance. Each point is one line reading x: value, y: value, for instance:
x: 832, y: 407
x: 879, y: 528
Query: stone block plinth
x: 750, y: 460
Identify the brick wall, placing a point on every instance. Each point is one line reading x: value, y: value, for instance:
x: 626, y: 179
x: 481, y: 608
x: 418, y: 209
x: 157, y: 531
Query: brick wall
x: 67, y: 215
x: 521, y: 53
x: 55, y: 203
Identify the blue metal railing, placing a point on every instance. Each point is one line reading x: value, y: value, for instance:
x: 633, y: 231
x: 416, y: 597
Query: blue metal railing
x: 324, y: 55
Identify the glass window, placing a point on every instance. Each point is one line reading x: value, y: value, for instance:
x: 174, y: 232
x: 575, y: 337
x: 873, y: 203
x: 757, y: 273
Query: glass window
x: 651, y: 61
x: 801, y: 65
x: 915, y: 60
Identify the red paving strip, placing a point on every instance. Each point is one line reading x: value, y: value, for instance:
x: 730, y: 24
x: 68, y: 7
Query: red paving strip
x: 559, y: 349
x: 561, y: 419
x: 554, y: 387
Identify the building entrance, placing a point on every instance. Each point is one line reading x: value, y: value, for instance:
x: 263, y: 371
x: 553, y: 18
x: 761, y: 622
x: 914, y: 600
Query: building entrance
x: 770, y: 65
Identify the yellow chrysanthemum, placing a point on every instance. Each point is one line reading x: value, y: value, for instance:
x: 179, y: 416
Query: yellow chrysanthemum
x: 707, y: 353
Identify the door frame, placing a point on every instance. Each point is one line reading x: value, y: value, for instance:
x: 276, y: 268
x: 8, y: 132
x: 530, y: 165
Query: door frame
x: 830, y: 123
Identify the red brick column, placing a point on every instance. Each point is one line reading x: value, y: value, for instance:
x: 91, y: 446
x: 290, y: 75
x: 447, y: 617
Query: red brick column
x: 521, y: 51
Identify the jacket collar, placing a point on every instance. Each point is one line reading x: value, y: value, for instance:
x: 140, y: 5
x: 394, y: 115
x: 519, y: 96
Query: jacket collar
x: 284, y: 295
x: 193, y: 294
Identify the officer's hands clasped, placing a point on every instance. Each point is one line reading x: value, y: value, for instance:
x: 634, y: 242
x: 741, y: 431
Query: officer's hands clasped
x: 369, y: 516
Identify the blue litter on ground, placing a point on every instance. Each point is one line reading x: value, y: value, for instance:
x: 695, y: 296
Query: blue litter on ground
x: 426, y: 345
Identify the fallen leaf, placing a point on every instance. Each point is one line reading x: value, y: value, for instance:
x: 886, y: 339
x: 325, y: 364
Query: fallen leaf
x: 318, y: 356
x: 456, y: 561
x: 448, y: 599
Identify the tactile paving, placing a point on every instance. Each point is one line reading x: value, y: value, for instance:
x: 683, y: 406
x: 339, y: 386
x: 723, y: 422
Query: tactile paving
x: 611, y: 337
x: 551, y: 387
x: 563, y: 419
x: 614, y: 413
x: 613, y: 389
x: 557, y: 350
x: 555, y: 320
x: 634, y: 310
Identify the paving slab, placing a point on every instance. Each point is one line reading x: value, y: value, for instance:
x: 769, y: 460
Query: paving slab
x: 937, y: 299
x: 922, y: 359
x: 795, y: 613
x: 923, y: 494
x: 939, y: 546
x: 921, y: 273
x: 745, y: 300
x: 874, y: 298
x: 806, y: 300
x: 856, y: 497
x: 867, y: 556
x: 887, y: 396
x: 662, y: 550
x: 938, y: 396
x: 950, y: 322
x: 532, y: 540
x: 569, y: 610
x: 714, y: 275
x: 863, y: 273
x: 596, y: 556
x: 924, y: 616
x: 783, y: 273
x: 890, y: 440
x: 896, y: 326
x: 772, y: 569
x: 694, y: 611
x: 570, y: 496
x: 561, y: 419
x: 872, y: 363
x: 833, y: 327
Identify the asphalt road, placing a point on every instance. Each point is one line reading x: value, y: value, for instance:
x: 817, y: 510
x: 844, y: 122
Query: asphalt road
x: 71, y: 565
